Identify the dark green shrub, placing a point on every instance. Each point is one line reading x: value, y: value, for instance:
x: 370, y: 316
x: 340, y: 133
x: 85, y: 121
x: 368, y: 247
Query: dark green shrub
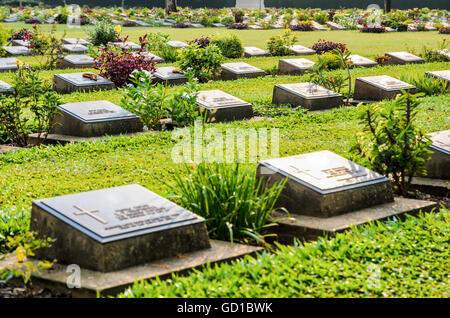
x: 230, y: 46
x: 202, y: 63
x: 103, y: 33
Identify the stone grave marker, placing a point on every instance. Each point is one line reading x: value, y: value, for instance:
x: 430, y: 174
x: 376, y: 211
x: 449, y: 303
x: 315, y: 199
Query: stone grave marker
x: 439, y: 164
x: 142, y: 23
x: 318, y: 27
x: 308, y: 95
x: 8, y: 64
x: 255, y: 27
x: 379, y: 87
x: 401, y: 58
x: 359, y: 60
x: 197, y: 25
x: 11, y: 19
x: 335, y: 26
x: 75, y: 48
x: 152, y: 56
x: 120, y: 234
x: 251, y: 51
x: 301, y: 50
x: 169, y: 75
x: 177, y: 44
x: 17, y: 50
x: 75, y: 41
x: 221, y: 106
x: 5, y: 88
x: 443, y: 75
x: 71, y: 82
x: 326, y: 193
x: 127, y: 45
x: 294, y: 66
x: 76, y: 61
x: 236, y: 70
x: 93, y: 119
x: 218, y: 25
x: 20, y: 43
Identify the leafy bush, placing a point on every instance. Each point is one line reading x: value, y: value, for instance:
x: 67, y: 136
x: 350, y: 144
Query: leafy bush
x: 428, y: 85
x: 238, y: 26
x: 305, y: 26
x: 153, y: 103
x: 238, y: 16
x: 322, y: 17
x: 23, y: 34
x: 201, y: 42
x: 103, y: 33
x: 435, y: 54
x: 203, y: 63
x: 5, y: 34
x: 233, y: 201
x: 323, y: 46
x: 373, y: 29
x: 230, y: 46
x: 46, y: 46
x: 30, y: 107
x: 444, y: 30
x: 382, y: 59
x: 391, y: 141
x: 278, y: 45
x: 157, y: 43
x: 386, y: 260
x: 180, y: 25
x: 117, y: 63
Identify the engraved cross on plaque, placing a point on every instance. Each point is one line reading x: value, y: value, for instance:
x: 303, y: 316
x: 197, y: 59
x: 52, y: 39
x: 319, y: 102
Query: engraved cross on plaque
x: 90, y: 213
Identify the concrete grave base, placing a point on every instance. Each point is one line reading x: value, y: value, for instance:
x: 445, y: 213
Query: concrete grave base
x: 367, y: 91
x: 310, y: 228
x: 63, y: 85
x: 284, y: 97
x: 432, y: 186
x: 115, y: 282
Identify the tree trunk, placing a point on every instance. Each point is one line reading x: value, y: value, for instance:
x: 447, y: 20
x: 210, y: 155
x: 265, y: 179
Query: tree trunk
x: 387, y: 6
x: 171, y: 6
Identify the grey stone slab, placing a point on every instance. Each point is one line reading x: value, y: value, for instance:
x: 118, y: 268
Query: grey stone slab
x: 401, y: 58
x: 308, y: 95
x: 116, y: 22
x: 152, y: 56
x: 169, y: 75
x: 177, y: 44
x: 112, y: 229
x: 445, y: 53
x: 127, y: 45
x: 11, y: 19
x: 359, y: 60
x: 255, y: 27
x: 112, y: 283
x: 76, y: 61
x: 277, y: 26
x: 17, y: 50
x: 5, y: 88
x: 433, y: 186
x: 379, y: 87
x: 197, y: 25
x: 75, y: 41
x: 251, y: 51
x: 95, y: 118
x: 8, y: 64
x: 142, y: 23
x: 221, y: 106
x: 439, y: 164
x: 323, y: 184
x: 75, y: 48
x: 294, y: 66
x: 443, y: 75
x: 301, y: 50
x: 218, y: 25
x: 20, y: 43
x: 319, y: 27
x: 335, y: 26
x: 236, y: 70
x: 307, y: 228
x: 71, y: 82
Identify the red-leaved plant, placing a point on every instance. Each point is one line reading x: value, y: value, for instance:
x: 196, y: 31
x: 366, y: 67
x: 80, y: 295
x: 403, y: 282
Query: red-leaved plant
x: 117, y: 63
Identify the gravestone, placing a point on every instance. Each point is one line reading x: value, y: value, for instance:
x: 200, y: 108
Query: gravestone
x: 379, y: 87
x: 75, y: 41
x: 116, y: 22
x: 401, y: 58
x: 17, y: 50
x: 308, y: 95
x: 251, y: 51
x: 112, y: 229
x: 177, y: 44
x: 76, y: 61
x: 20, y: 43
x: 439, y: 164
x: 142, y: 23
x: 294, y: 66
x: 236, y: 70
x: 8, y: 64
x: 71, y: 82
x: 93, y: 119
x: 318, y: 27
x: 11, y: 19
x: 326, y: 193
x: 221, y: 106
x: 324, y: 184
x: 218, y: 25
x: 197, y: 25
x: 151, y: 56
x: 443, y: 75
x: 5, y: 88
x: 169, y: 75
x: 335, y: 26
x: 277, y: 26
x: 445, y: 53
x: 358, y: 60
x: 301, y: 50
x: 127, y: 45
x: 75, y: 48
x: 255, y: 27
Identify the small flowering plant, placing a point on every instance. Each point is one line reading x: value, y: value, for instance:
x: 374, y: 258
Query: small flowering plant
x: 382, y: 59
x: 46, y: 47
x: 117, y: 63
